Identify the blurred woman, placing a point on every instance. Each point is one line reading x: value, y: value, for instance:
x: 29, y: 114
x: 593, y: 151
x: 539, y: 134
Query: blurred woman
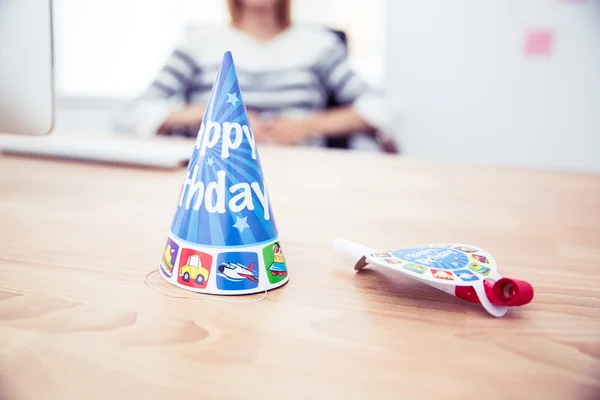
x: 287, y: 73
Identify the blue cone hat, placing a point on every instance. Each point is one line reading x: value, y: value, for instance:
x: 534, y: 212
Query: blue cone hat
x: 223, y: 238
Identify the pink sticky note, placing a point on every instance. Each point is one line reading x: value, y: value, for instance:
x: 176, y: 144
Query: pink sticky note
x: 539, y: 42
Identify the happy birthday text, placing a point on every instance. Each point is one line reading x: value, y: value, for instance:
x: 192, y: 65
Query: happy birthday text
x: 209, y: 135
x: 429, y: 256
x: 213, y: 195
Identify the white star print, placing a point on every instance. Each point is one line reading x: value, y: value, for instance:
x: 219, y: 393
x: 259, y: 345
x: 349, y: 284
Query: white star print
x: 210, y: 161
x: 232, y: 98
x: 241, y: 224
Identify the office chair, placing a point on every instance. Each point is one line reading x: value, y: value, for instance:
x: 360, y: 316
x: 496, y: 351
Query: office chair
x: 338, y: 142
x: 343, y: 142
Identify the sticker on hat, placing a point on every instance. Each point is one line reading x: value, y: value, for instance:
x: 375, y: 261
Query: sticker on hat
x: 223, y: 238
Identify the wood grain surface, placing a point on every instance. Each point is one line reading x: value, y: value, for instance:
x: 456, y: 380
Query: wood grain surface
x: 78, y: 322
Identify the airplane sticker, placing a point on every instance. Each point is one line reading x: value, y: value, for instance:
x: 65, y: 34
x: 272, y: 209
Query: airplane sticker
x: 237, y: 271
x: 466, y: 275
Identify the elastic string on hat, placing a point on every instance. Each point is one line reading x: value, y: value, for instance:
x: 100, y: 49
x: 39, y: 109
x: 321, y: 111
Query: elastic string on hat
x: 199, y: 297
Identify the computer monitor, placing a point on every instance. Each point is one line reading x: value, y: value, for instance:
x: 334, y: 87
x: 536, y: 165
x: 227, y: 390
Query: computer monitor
x: 26, y: 67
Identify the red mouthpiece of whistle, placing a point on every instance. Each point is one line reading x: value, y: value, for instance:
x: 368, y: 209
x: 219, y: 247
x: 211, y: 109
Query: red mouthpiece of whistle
x: 503, y: 292
x: 509, y: 292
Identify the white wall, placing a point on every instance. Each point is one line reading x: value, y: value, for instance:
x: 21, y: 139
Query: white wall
x: 115, y: 48
x: 468, y: 93
x: 111, y: 48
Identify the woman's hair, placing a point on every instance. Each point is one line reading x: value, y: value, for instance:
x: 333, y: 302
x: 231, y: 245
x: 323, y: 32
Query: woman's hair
x: 284, y: 11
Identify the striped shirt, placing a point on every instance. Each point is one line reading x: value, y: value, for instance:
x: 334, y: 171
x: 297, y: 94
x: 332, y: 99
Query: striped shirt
x: 294, y: 75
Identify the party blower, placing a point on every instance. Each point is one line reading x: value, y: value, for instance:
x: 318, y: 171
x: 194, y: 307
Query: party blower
x: 464, y: 271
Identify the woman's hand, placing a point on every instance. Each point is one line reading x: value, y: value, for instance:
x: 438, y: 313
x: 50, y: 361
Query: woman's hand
x: 190, y: 116
x: 288, y: 131
x: 336, y: 122
x: 258, y: 126
x: 280, y: 130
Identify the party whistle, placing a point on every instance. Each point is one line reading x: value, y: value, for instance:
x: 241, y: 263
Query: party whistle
x: 464, y: 271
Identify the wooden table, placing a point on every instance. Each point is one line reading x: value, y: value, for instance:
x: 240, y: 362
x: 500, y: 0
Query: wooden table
x: 77, y: 320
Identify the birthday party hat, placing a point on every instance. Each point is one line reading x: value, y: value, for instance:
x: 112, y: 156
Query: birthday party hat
x: 223, y: 238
